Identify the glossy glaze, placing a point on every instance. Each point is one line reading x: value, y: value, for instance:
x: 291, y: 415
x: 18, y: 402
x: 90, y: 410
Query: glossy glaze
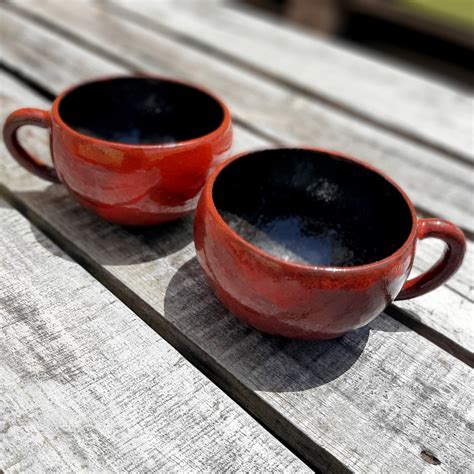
x: 269, y: 224
x: 135, y: 151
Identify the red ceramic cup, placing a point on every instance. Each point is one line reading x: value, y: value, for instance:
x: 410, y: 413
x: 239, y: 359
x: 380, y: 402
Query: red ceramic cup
x: 134, y: 150
x: 310, y: 244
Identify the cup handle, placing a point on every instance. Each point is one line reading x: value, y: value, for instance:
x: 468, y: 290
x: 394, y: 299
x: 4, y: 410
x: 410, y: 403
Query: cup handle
x: 17, y: 119
x: 446, y: 266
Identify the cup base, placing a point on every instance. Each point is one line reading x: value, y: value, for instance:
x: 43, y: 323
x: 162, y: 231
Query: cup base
x: 128, y: 216
x: 265, y: 324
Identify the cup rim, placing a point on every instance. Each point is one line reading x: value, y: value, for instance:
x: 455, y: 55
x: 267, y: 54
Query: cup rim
x: 208, y: 191
x: 224, y: 125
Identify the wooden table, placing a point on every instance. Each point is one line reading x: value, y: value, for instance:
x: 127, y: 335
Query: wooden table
x: 114, y: 354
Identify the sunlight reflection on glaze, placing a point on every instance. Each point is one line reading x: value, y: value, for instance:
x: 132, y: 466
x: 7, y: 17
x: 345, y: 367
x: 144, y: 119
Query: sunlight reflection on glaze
x: 295, y: 239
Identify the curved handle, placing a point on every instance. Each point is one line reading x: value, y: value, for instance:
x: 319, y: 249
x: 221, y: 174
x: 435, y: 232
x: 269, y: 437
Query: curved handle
x: 14, y: 121
x: 446, y: 266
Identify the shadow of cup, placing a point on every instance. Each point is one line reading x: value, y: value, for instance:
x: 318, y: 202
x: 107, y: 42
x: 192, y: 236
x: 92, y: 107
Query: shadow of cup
x: 109, y: 244
x: 268, y: 363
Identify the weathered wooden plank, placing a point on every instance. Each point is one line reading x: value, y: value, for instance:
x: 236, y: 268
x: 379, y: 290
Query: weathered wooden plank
x: 447, y: 310
x: 405, y: 395
x: 389, y: 94
x: 88, y: 387
x: 437, y: 185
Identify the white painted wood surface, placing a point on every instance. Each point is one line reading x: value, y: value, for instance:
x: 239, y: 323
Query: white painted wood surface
x: 405, y: 395
x: 448, y: 310
x: 385, y: 93
x: 437, y: 184
x: 86, y: 386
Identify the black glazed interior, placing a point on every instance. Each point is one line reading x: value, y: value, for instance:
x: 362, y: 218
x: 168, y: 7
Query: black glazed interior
x: 138, y: 110
x: 310, y: 207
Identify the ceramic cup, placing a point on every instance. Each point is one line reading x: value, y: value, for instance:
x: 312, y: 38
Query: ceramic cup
x: 310, y: 244
x: 134, y: 150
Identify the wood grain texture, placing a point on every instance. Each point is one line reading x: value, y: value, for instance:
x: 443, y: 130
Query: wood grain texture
x: 88, y: 387
x: 375, y: 400
x: 388, y: 94
x: 448, y: 310
x: 438, y: 185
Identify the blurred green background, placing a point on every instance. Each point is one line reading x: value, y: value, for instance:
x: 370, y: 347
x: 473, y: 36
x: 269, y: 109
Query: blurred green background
x: 461, y: 11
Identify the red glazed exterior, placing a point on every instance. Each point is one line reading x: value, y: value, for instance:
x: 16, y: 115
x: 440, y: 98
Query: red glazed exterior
x: 303, y: 301
x: 132, y: 184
